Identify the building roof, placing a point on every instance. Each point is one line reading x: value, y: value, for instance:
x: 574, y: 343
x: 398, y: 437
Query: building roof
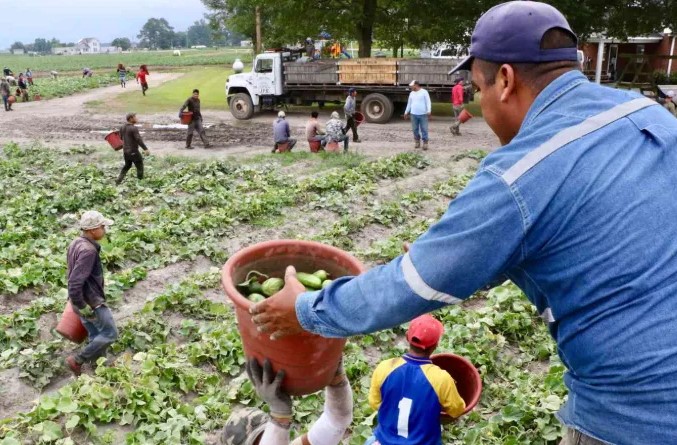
x: 87, y: 41
x: 651, y: 38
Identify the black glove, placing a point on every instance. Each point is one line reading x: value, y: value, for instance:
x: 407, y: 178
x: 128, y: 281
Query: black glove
x: 269, y: 388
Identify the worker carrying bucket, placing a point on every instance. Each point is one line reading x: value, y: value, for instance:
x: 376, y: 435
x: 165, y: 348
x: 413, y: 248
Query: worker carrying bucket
x: 461, y: 115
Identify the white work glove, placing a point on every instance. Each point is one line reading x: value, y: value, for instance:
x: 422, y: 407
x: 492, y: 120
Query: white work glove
x: 269, y: 388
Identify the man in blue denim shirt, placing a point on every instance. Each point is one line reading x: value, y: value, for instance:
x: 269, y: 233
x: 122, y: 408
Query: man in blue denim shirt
x: 577, y: 208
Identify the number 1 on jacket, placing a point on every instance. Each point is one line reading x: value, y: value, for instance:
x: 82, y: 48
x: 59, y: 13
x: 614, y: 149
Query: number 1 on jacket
x: 403, y: 418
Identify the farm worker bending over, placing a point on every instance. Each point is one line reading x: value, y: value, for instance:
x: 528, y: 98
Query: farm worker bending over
x: 132, y: 140
x: 349, y: 109
x: 253, y: 427
x: 281, y: 132
x: 457, y: 106
x: 420, y: 107
x: 413, y: 386
x: 572, y: 208
x: 193, y: 105
x: 85, y: 290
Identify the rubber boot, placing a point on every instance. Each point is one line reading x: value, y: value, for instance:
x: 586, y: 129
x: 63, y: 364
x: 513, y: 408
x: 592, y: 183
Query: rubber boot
x: 189, y: 141
x: 418, y: 144
x: 425, y: 145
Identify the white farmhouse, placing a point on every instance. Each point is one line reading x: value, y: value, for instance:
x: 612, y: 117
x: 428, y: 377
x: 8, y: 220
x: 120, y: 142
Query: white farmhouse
x: 88, y: 45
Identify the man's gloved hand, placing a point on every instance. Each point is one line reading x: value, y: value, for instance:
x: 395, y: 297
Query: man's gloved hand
x: 269, y: 388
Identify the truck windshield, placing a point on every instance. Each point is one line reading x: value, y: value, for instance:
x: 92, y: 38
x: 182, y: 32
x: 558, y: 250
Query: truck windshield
x: 264, y: 66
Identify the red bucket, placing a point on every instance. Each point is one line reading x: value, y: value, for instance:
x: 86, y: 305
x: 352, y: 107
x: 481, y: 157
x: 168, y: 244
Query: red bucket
x: 465, y: 116
x: 70, y: 326
x: 333, y: 147
x: 467, y: 377
x: 283, y: 147
x: 186, y: 117
x: 359, y: 118
x: 114, y: 139
x: 309, y: 360
x: 315, y: 146
x: 11, y: 99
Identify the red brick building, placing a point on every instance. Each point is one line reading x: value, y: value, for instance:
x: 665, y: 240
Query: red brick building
x: 613, y: 66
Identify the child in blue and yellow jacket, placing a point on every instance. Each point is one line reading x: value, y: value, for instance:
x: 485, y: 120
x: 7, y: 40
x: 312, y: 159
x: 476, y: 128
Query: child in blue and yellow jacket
x: 410, y: 392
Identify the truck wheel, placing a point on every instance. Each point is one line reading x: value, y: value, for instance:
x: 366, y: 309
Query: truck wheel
x: 241, y: 106
x: 377, y: 108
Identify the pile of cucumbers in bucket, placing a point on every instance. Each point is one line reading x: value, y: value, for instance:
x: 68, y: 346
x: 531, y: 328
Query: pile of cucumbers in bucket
x: 258, y: 286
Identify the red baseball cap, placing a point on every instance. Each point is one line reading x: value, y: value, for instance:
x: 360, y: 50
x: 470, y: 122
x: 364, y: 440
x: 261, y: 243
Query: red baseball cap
x: 425, y: 332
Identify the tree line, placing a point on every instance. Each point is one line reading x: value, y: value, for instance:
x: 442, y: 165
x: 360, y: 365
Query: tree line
x: 415, y: 23
x: 156, y: 33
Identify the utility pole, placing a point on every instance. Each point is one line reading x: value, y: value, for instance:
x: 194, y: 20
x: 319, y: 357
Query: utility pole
x: 258, y: 30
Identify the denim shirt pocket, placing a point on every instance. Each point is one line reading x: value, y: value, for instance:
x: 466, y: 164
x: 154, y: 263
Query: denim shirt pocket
x: 662, y: 135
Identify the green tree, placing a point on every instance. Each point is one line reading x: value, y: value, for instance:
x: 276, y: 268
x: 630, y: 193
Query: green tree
x: 199, y: 33
x: 122, y: 42
x: 42, y: 46
x: 17, y: 45
x: 156, y: 34
x: 180, y: 40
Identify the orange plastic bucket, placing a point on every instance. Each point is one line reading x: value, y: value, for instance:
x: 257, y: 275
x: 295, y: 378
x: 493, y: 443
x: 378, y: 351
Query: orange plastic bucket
x: 359, y: 118
x: 70, y: 326
x: 11, y: 99
x: 114, y: 140
x: 467, y: 377
x: 186, y: 117
x: 465, y: 116
x: 315, y: 146
x: 309, y: 360
x: 283, y: 147
x: 333, y: 147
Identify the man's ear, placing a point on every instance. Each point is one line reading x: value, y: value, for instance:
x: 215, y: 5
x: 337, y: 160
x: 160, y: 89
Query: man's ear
x: 507, y: 81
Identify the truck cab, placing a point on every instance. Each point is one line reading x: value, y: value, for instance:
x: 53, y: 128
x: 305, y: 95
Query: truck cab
x: 259, y: 88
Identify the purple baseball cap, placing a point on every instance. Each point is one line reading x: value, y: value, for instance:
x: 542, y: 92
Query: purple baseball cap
x: 512, y: 32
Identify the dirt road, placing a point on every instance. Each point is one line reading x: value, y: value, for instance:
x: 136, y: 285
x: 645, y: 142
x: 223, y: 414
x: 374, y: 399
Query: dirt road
x: 67, y: 122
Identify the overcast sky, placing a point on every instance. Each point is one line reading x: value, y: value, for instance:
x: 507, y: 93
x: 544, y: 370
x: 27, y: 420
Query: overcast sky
x: 71, y: 20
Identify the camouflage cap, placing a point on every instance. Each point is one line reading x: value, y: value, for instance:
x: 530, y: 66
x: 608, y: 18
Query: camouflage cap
x: 244, y: 426
x: 92, y: 219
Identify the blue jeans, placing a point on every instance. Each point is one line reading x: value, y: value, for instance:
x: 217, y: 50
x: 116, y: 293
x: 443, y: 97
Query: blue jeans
x: 419, y: 123
x: 5, y: 101
x: 102, y: 333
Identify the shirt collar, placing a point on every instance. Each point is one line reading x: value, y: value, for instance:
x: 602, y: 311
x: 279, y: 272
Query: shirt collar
x: 92, y: 242
x: 557, y: 88
x: 418, y: 360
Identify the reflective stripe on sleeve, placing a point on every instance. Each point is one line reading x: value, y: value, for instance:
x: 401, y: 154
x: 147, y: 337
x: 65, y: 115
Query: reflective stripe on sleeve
x: 571, y: 134
x: 414, y: 280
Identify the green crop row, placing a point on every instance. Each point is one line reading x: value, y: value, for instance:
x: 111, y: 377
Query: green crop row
x: 42, y: 65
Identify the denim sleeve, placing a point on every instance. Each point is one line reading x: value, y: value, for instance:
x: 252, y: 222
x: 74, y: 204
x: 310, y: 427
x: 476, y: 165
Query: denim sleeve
x: 478, y: 238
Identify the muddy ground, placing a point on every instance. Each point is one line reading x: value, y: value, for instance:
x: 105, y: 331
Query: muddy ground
x: 68, y: 121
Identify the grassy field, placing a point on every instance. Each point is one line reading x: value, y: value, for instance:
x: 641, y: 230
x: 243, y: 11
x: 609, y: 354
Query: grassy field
x: 176, y: 372
x: 43, y: 64
x: 211, y: 82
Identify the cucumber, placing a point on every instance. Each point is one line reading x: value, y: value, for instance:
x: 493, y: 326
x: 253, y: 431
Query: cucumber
x: 326, y: 283
x: 256, y: 298
x: 272, y: 286
x: 321, y: 274
x: 255, y: 288
x: 309, y: 280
